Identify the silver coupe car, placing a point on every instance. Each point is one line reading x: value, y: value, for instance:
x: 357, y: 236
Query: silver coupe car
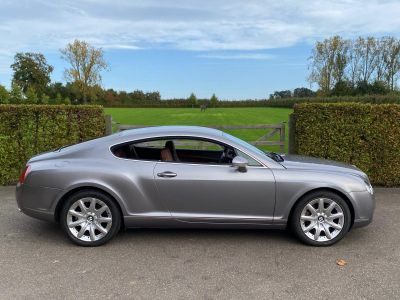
x: 186, y: 176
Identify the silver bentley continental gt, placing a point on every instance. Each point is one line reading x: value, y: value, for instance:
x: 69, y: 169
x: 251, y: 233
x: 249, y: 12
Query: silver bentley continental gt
x: 186, y: 176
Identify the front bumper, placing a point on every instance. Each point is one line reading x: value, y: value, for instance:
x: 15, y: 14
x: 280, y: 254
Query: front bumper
x: 37, y: 202
x: 364, y: 207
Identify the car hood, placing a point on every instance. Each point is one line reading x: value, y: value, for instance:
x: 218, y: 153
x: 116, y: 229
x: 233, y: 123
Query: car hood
x: 318, y: 164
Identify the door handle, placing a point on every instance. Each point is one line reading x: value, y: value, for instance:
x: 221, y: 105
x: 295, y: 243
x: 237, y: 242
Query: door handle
x: 167, y: 174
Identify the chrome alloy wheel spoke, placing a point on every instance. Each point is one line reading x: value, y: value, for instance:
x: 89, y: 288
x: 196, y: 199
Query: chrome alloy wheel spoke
x: 89, y: 219
x: 322, y: 219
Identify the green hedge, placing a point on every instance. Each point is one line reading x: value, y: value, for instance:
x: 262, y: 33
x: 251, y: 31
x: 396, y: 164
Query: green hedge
x: 373, y: 99
x: 365, y: 135
x: 26, y: 130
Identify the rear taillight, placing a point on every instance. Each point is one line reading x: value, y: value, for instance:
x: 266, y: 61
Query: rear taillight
x: 24, y: 173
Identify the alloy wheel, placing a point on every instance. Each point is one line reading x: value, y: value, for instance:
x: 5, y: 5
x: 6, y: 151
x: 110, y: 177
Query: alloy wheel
x: 322, y: 219
x: 89, y: 219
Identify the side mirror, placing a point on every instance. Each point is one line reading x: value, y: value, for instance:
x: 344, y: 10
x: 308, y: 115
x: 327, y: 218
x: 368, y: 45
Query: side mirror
x: 240, y: 163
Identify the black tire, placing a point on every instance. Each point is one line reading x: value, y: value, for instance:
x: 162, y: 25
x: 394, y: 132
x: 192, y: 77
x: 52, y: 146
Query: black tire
x: 110, y: 202
x: 301, y: 204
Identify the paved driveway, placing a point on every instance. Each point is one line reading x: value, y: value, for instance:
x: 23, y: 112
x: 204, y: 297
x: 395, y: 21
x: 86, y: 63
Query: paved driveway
x: 36, y: 261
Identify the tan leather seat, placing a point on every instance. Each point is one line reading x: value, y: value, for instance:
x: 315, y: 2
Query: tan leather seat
x: 166, y: 155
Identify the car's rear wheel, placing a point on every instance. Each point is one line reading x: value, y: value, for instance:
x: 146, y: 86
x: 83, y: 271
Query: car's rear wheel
x: 321, y: 218
x: 90, y: 218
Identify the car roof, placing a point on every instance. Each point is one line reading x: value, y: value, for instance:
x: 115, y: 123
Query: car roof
x: 171, y: 130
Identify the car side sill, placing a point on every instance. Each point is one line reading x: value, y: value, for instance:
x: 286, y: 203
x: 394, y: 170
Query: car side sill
x: 170, y: 222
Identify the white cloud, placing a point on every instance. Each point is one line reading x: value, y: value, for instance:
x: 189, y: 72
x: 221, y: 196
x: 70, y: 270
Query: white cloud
x: 203, y: 25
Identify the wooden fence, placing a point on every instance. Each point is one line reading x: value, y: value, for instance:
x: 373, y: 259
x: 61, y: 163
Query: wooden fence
x: 270, y: 131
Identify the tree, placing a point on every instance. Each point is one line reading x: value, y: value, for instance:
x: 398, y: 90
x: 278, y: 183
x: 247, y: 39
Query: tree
x: 214, y: 100
x: 153, y: 96
x: 31, y: 97
x: 67, y: 101
x: 382, y: 46
x: 363, y: 57
x: 137, y: 96
x: 58, y: 99
x: 15, y: 94
x: 86, y: 62
x: 342, y: 88
x: 328, y: 63
x: 192, y: 99
x: 379, y: 88
x: 44, y: 99
x: 281, y: 94
x: 31, y: 70
x: 4, y: 95
x: 392, y: 61
x: 303, y: 92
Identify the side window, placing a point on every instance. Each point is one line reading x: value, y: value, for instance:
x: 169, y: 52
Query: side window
x: 144, y: 150
x: 252, y: 161
x: 196, y: 145
x: 176, y: 150
x: 200, y: 151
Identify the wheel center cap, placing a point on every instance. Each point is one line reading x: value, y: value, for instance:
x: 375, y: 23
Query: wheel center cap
x: 321, y: 219
x: 90, y: 218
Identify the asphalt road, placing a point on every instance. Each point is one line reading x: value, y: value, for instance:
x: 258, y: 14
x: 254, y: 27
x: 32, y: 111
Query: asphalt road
x: 37, y: 261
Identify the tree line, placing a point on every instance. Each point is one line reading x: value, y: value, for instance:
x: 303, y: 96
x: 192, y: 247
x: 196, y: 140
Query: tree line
x: 340, y: 67
x: 365, y: 65
x: 31, y: 81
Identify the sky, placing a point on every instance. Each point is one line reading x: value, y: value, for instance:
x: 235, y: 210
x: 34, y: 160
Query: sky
x: 235, y: 49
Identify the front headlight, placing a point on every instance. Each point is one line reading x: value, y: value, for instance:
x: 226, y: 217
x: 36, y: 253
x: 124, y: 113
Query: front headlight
x: 369, y: 187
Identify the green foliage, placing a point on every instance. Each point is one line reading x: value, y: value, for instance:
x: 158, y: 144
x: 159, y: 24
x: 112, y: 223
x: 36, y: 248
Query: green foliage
x: 303, y: 92
x: 44, y: 99
x: 31, y: 70
x: 373, y: 99
x: 58, y: 99
x: 26, y: 130
x: 4, y: 95
x: 363, y: 60
x: 342, y: 88
x: 214, y: 101
x: 192, y: 100
x: 16, y: 94
x: 365, y: 135
x: 31, y: 97
x: 281, y: 94
x: 86, y: 63
x: 67, y: 101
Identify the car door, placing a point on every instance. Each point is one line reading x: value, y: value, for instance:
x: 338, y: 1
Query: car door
x: 215, y: 192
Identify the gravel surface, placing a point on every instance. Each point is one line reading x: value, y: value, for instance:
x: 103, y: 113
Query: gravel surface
x: 37, y: 261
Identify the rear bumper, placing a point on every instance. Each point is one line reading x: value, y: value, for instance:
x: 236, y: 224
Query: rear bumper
x: 37, y: 202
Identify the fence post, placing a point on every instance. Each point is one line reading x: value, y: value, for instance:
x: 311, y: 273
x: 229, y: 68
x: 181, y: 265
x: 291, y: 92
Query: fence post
x: 282, y: 138
x: 108, y: 119
x: 292, y: 134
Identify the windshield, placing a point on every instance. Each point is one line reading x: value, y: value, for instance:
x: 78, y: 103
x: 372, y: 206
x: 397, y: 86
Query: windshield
x: 272, y: 155
x: 245, y: 144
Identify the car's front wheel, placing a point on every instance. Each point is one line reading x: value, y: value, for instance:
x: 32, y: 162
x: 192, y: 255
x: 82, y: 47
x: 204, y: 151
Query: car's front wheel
x: 321, y: 218
x: 90, y: 218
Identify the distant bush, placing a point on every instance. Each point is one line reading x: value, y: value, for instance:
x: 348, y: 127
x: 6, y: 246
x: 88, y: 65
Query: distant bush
x: 26, y: 130
x: 365, y: 135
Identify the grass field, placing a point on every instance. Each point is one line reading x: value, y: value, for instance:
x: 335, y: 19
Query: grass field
x: 213, y: 116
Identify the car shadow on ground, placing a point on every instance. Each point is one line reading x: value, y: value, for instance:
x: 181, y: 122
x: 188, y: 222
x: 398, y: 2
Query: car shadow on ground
x: 52, y: 233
